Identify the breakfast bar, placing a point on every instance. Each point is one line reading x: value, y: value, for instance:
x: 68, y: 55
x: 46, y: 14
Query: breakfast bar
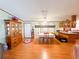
x: 71, y: 37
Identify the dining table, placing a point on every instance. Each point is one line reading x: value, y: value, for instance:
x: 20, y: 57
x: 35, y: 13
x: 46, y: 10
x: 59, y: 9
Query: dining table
x: 46, y: 38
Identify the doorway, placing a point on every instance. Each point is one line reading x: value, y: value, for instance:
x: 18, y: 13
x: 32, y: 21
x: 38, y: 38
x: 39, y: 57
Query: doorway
x: 27, y: 30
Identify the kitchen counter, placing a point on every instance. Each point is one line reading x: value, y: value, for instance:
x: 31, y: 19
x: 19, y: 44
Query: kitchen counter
x: 68, y: 32
x: 71, y: 36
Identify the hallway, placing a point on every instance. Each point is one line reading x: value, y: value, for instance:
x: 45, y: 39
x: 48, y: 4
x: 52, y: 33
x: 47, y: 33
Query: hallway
x: 41, y: 51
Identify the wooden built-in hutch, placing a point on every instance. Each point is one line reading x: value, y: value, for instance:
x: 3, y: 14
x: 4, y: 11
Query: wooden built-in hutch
x: 13, y: 32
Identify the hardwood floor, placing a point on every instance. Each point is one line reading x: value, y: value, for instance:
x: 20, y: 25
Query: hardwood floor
x: 41, y: 51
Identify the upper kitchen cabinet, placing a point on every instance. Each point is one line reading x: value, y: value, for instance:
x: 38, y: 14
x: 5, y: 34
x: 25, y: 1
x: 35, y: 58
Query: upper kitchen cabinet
x: 69, y: 23
x: 73, y: 21
x: 61, y: 24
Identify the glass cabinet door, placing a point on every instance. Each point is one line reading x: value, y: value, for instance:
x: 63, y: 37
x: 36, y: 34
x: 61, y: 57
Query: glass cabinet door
x: 20, y: 28
x: 13, y: 30
x: 7, y: 29
x: 16, y: 28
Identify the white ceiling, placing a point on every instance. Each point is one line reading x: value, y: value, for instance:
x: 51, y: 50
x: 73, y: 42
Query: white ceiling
x: 31, y: 9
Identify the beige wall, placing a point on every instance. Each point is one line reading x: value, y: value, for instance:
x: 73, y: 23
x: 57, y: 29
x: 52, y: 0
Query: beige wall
x: 3, y: 16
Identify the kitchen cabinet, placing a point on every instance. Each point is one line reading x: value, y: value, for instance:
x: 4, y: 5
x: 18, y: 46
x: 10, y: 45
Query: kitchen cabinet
x: 61, y: 24
x: 69, y: 22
